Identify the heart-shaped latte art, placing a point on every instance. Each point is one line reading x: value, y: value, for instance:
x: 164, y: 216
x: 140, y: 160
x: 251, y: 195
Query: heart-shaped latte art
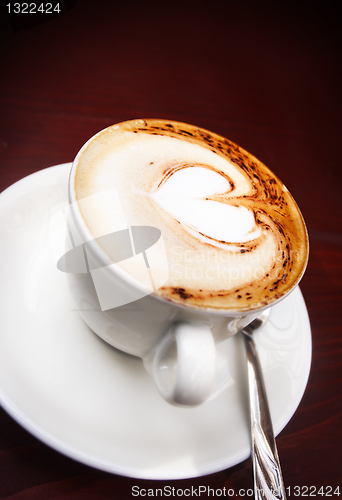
x: 186, y: 196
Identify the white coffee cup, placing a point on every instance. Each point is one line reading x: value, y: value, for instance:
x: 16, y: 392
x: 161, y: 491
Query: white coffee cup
x: 178, y: 344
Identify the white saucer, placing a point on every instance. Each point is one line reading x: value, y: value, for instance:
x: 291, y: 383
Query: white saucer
x: 97, y: 405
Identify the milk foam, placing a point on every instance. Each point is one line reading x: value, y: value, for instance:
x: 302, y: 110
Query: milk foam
x: 185, y: 195
x: 234, y: 236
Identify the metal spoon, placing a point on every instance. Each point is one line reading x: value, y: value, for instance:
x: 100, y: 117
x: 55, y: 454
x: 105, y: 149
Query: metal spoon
x: 268, y: 479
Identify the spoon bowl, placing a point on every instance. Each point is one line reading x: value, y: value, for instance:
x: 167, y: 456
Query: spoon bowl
x: 258, y: 322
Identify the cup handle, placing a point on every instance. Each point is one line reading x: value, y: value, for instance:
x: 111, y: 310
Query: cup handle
x: 183, y: 364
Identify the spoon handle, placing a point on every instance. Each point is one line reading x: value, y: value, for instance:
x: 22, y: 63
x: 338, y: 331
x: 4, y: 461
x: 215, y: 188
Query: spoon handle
x: 268, y: 479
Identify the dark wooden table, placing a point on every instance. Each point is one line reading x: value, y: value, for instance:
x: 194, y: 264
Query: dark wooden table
x: 264, y: 74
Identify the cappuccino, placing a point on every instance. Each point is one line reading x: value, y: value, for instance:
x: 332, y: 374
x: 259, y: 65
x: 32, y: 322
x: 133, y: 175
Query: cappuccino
x: 234, y: 237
